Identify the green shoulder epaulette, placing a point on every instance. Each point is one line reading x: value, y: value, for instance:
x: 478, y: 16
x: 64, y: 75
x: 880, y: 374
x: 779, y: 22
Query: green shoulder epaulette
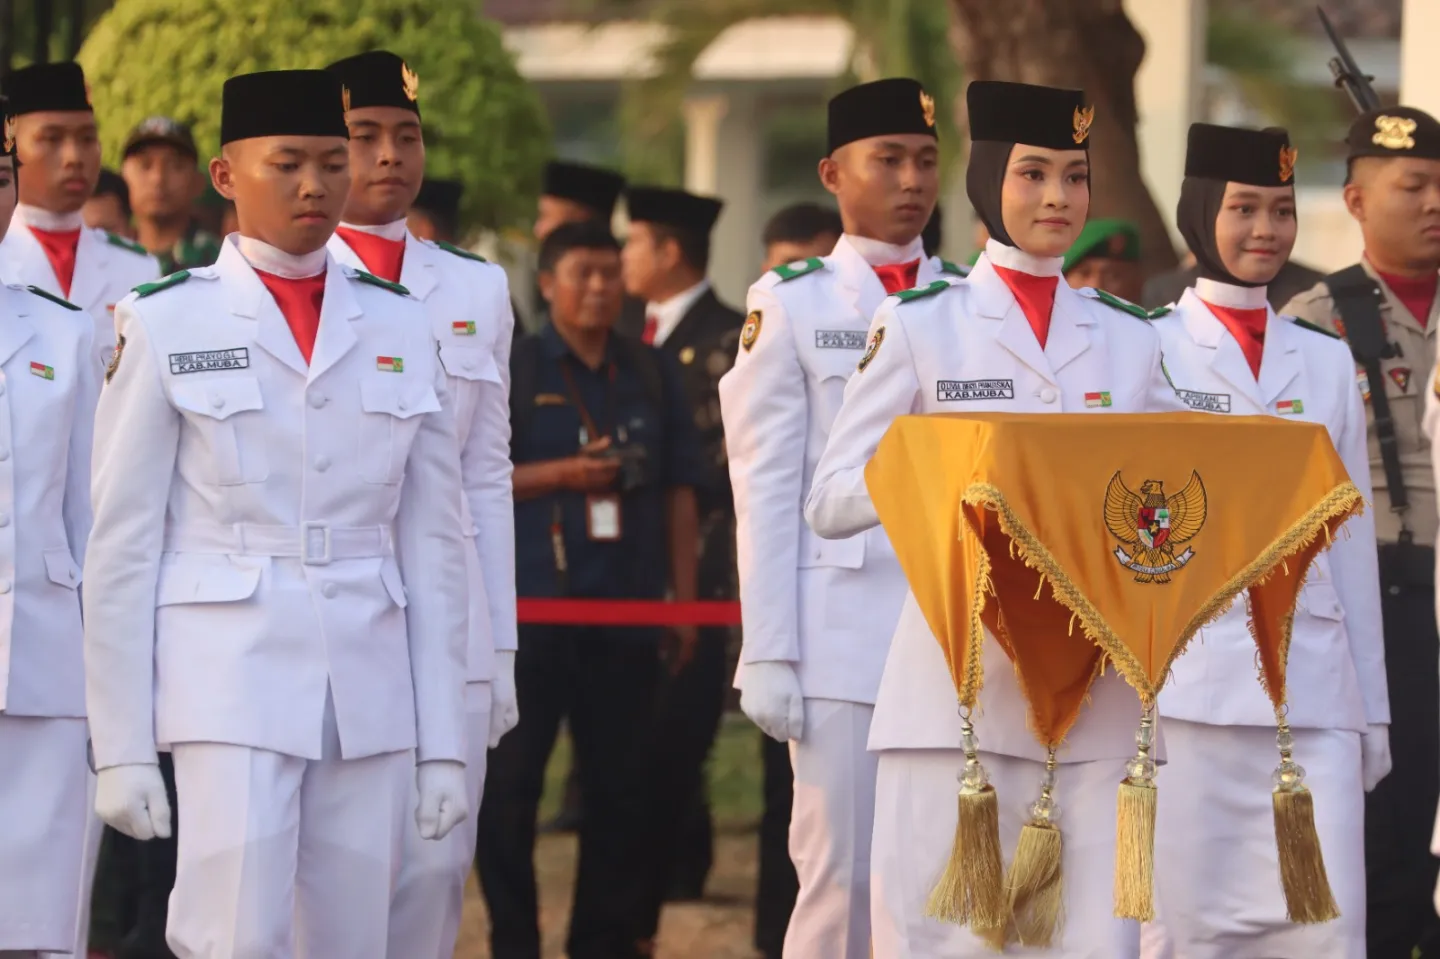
x: 374, y: 280
x: 114, y: 239
x: 954, y: 269
x: 790, y: 271
x: 164, y: 283
x: 1134, y: 309
x: 1315, y: 329
x: 458, y: 251
x: 52, y: 297
x: 905, y: 296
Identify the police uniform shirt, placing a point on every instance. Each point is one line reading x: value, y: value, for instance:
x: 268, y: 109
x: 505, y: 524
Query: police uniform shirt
x: 1404, y: 383
x: 636, y: 566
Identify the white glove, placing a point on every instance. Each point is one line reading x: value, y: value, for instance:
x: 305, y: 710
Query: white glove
x: 504, y: 707
x: 770, y: 696
x: 443, y: 797
x: 1374, y: 755
x: 132, y: 799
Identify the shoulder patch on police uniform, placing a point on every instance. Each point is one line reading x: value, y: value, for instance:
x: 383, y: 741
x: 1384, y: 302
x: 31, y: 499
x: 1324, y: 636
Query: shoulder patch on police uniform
x: 114, y: 239
x: 1125, y: 306
x: 1306, y: 324
x: 466, y: 254
x: 374, y: 280
x: 954, y: 269
x: 114, y: 363
x: 790, y: 271
x: 876, y: 339
x: 52, y: 298
x: 750, y: 332
x: 164, y: 283
x: 935, y: 286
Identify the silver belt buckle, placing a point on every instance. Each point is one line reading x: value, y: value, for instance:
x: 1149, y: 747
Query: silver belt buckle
x: 315, y: 543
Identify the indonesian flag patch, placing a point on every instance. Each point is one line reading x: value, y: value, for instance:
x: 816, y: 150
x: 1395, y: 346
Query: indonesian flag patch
x: 1095, y: 401
x: 390, y: 364
x: 42, y: 371
x: 1290, y: 407
x: 463, y: 327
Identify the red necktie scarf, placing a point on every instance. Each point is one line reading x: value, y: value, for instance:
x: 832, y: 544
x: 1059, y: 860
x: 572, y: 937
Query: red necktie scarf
x: 382, y: 257
x: 59, y: 247
x: 1248, y: 328
x: 300, y: 301
x: 1036, y: 296
x: 647, y: 335
x: 1417, y: 295
x: 898, y: 276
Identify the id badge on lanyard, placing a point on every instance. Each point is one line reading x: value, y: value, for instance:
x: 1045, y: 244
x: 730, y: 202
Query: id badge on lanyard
x: 603, y: 522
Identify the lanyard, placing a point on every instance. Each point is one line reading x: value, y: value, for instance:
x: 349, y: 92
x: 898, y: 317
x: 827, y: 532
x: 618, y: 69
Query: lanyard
x: 589, y: 431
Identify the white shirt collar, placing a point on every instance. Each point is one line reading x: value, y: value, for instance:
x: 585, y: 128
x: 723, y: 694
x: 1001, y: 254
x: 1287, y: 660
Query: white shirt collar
x: 394, y: 230
x: 1014, y: 258
x: 48, y: 220
x: 669, y: 313
x: 879, y: 253
x: 269, y: 259
x: 1229, y: 295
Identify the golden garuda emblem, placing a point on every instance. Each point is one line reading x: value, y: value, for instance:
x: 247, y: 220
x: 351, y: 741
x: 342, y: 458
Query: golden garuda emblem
x: 410, y: 81
x: 1084, y: 116
x: 1393, y: 133
x: 345, y: 98
x: 927, y: 105
x: 9, y: 134
x: 1288, y: 156
x: 1151, y: 525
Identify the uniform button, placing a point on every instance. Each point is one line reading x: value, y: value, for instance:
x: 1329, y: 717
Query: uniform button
x: 4, y: 520
x: 470, y: 364
x: 1047, y: 395
x: 329, y: 590
x: 402, y: 406
x: 4, y: 587
x: 1394, y: 590
x: 317, y: 400
x: 322, y: 463
x: 217, y: 401
x: 4, y: 455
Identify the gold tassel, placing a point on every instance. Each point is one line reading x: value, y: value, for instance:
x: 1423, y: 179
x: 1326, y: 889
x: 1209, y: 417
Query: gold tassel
x: 971, y: 890
x: 1135, y: 830
x: 1035, y: 885
x: 1308, y: 899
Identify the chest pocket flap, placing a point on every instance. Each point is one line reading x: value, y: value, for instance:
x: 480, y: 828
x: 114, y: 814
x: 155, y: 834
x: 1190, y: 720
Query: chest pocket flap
x: 400, y: 400
x: 218, y: 398
x: 470, y: 363
x: 233, y: 448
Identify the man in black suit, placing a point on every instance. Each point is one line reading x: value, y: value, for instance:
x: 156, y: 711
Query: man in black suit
x: 667, y: 255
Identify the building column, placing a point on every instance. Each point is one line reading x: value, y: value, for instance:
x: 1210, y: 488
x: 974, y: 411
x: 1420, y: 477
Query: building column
x: 723, y: 159
x: 1419, y: 66
x: 1169, y: 90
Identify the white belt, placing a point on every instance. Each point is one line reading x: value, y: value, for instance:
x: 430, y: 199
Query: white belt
x: 314, y: 543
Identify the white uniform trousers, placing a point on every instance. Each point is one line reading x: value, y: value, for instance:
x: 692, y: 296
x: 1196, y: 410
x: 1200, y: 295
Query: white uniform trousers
x: 915, y: 815
x: 1217, y: 875
x: 830, y: 825
x: 430, y: 893
x: 94, y: 832
x: 281, y: 858
x: 45, y: 809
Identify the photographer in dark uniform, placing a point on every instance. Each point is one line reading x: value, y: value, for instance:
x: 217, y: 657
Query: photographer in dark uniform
x: 606, y: 467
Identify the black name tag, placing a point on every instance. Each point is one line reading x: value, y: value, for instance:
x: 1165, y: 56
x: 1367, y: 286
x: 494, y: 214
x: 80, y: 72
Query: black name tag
x: 954, y: 391
x: 1205, y: 402
x: 236, y: 359
x: 839, y: 339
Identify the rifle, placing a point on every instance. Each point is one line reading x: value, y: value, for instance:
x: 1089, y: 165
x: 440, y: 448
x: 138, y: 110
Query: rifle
x: 1347, y: 72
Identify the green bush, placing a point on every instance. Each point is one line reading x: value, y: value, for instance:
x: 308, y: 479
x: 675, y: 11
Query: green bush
x: 484, y: 125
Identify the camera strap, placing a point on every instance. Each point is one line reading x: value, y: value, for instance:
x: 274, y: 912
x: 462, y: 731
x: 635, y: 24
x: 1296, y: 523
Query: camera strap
x: 590, y: 430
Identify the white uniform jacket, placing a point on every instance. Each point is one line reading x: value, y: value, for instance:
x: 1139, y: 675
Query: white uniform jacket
x: 827, y: 605
x: 1336, y: 674
x: 468, y: 303
x: 48, y: 386
x: 969, y: 349
x: 245, y: 510
x: 107, y: 267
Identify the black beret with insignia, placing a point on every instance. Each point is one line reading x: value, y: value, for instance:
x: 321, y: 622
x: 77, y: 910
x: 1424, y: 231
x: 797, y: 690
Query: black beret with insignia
x: 378, y: 79
x: 47, y: 86
x: 675, y: 208
x: 1236, y: 155
x: 282, y: 103
x: 589, y: 186
x: 1394, y: 132
x: 1050, y: 117
x: 885, y: 107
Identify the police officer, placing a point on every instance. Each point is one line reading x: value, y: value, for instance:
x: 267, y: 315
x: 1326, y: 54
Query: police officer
x: 270, y: 480
x: 606, y: 468
x: 468, y: 303
x: 158, y: 163
x: 1385, y: 308
x: 48, y: 384
x: 49, y: 245
x: 818, y: 615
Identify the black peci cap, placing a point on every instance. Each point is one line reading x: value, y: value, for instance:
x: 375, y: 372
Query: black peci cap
x: 440, y: 196
x: 672, y: 208
x: 378, y: 79
x: 1394, y: 132
x: 1050, y: 117
x: 1236, y: 155
x: 588, y: 186
x: 876, y: 109
x: 282, y: 103
x: 47, y: 86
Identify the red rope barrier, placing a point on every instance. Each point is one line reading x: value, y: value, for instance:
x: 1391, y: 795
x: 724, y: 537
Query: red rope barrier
x: 626, y: 612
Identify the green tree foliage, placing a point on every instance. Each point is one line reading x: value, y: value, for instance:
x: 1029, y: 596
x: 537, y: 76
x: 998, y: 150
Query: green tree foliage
x: 484, y: 125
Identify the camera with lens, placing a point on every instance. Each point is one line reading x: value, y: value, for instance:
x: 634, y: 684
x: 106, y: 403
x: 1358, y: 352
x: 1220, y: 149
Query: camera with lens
x: 634, y: 466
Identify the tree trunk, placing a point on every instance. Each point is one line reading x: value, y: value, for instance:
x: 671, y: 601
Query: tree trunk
x: 1089, y: 44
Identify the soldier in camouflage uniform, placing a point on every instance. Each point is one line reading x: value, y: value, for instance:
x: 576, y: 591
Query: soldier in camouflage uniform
x: 160, y: 167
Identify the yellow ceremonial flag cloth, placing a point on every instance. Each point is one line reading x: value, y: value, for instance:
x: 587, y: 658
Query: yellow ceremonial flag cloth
x: 1077, y: 538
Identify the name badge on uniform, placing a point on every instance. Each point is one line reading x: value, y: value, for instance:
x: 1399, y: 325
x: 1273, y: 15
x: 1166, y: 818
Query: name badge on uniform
x: 236, y: 358
x: 839, y: 340
x: 954, y: 391
x: 602, y: 517
x: 1205, y: 402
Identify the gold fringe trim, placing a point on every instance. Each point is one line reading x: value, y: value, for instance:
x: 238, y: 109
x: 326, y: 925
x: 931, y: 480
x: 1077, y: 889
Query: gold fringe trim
x: 1308, y: 899
x: 1035, y: 884
x: 1135, y: 851
x: 1343, y: 499
x: 972, y: 889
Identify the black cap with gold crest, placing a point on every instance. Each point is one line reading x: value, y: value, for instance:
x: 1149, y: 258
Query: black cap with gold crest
x: 378, y: 79
x: 1237, y: 155
x: 45, y: 87
x: 885, y: 107
x: 282, y: 103
x: 1050, y: 117
x: 1394, y: 132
